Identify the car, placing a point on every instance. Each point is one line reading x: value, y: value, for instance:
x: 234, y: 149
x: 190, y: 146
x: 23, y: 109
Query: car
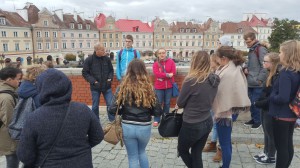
x: 148, y: 61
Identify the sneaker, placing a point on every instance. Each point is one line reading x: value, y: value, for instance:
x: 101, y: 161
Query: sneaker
x: 261, y: 155
x: 155, y: 124
x: 265, y: 160
x: 256, y: 125
x: 249, y: 123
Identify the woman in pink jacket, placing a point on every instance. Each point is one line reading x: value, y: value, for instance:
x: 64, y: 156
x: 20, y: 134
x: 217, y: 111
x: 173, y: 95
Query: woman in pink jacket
x: 164, y: 70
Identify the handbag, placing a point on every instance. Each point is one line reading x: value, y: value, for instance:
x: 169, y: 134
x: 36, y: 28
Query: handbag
x: 170, y: 124
x: 113, y: 131
x: 175, y: 88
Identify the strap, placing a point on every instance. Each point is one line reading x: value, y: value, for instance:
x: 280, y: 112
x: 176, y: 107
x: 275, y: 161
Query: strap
x: 13, y: 94
x: 164, y: 71
x: 135, y: 54
x: 56, y: 138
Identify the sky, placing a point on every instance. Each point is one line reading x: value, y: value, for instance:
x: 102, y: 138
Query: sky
x: 170, y: 10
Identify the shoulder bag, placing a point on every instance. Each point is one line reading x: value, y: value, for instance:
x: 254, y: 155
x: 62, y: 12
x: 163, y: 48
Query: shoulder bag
x: 170, y: 124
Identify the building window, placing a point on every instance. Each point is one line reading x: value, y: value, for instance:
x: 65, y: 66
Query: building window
x: 3, y: 33
x: 104, y: 36
x: 79, y: 26
x: 137, y: 36
x: 88, y: 26
x: 88, y: 35
x: 232, y: 37
x: 156, y: 36
x: 213, y: 44
x: 162, y: 36
x: 186, y: 43
x: 174, y: 44
x: 144, y: 36
x: 150, y: 36
x: 144, y: 44
x: 88, y: 45
x: 187, y: 30
x: 110, y: 27
x: 72, y: 25
x: 207, y: 36
x: 39, y: 46
x: 156, y: 44
x: 181, y: 30
x: 73, y: 45
x: 213, y: 36
x: 46, y: 34
x: 26, y: 46
x: 194, y: 37
x: 17, y: 47
x: 117, y: 36
x: 15, y: 34
x: 162, y: 44
x: 64, y: 45
x: 199, y: 44
x: 239, y: 37
x: 110, y: 44
x: 72, y: 35
x: 187, y: 37
x: 104, y: 44
x: 193, y: 43
x: 110, y: 36
x: 80, y: 45
x: 25, y: 34
x: 207, y: 44
x: 194, y: 30
x: 95, y: 35
x: 174, y: 37
x: 80, y: 35
x: 199, y: 37
x: 123, y: 44
x: 150, y: 44
x: 124, y: 36
x: 163, y: 29
x: 54, y: 34
x: 55, y: 45
x: 239, y: 43
x: 48, y: 46
x: 137, y: 44
x: 64, y: 35
x: 5, y: 47
x: 46, y: 23
x: 180, y: 44
x: 117, y: 44
x: 2, y: 21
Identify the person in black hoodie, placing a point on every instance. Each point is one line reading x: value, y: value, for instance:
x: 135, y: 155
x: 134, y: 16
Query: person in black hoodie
x: 272, y: 64
x: 82, y: 130
x: 99, y: 72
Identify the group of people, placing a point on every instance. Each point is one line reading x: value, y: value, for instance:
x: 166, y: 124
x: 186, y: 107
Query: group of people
x: 217, y: 88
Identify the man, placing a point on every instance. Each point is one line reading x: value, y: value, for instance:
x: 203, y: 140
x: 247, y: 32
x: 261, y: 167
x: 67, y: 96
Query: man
x: 9, y: 82
x: 124, y: 57
x: 99, y: 72
x: 256, y: 76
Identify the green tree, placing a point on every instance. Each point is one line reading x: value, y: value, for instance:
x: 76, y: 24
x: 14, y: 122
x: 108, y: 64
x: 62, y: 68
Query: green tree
x: 282, y: 30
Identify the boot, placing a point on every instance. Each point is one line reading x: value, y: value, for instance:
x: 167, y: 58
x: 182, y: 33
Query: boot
x: 218, y: 156
x: 210, y: 147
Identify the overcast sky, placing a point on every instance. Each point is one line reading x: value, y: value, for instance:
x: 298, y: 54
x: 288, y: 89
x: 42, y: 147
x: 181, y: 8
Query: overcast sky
x: 183, y: 10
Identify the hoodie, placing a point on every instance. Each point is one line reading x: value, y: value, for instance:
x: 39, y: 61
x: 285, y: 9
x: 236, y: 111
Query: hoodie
x: 197, y: 98
x: 28, y: 89
x: 81, y: 132
x: 126, y: 57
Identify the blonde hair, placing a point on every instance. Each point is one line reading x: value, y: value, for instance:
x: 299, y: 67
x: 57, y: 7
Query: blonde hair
x: 200, y: 67
x: 275, y: 61
x: 291, y: 52
x: 34, y: 71
x: 136, y: 86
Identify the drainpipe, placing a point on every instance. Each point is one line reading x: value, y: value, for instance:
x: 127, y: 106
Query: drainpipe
x: 33, y: 46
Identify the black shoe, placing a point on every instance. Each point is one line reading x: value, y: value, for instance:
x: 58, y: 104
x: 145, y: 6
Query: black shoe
x: 256, y: 126
x: 266, y: 160
x: 249, y: 123
x: 259, y: 156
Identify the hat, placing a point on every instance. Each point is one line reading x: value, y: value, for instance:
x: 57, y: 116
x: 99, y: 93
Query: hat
x: 225, y: 41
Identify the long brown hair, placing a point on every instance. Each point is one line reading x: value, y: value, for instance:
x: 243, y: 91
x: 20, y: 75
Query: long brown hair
x: 136, y: 86
x: 274, y: 60
x: 200, y: 67
x: 232, y: 54
x: 291, y: 51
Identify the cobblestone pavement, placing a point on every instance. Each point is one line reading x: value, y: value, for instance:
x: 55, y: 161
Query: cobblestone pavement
x: 162, y: 152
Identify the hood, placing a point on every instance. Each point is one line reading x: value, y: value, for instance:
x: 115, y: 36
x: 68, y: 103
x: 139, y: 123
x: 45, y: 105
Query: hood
x: 254, y: 46
x: 4, y: 86
x: 214, y: 80
x: 54, y: 87
x: 27, y: 89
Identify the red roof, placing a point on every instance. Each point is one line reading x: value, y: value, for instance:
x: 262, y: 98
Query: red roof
x: 126, y: 25
x: 256, y: 22
x: 100, y: 20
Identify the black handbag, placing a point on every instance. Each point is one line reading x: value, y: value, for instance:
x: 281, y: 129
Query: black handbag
x: 170, y: 124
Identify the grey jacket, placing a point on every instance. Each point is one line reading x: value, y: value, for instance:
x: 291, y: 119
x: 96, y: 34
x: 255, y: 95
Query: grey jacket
x: 255, y: 66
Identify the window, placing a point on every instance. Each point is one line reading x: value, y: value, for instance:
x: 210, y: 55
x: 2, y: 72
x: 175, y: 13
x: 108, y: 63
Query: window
x: 123, y: 44
x: 104, y: 36
x: 104, y: 44
x: 48, y: 46
x: 17, y: 47
x: 207, y: 44
x: 162, y: 44
x: 137, y: 36
x: 174, y: 37
x: 110, y: 44
x: 110, y: 36
x: 64, y: 34
x: 156, y: 36
x: 2, y: 21
x: 72, y: 35
x: 150, y: 36
x: 239, y: 37
x: 5, y: 47
x: 174, y: 44
x: 213, y: 36
x: 137, y: 44
x: 72, y: 25
x: 181, y: 30
x: 80, y: 35
x: 150, y: 44
x: 207, y: 36
x: 180, y: 44
x: 124, y: 36
x: 193, y: 43
x: 187, y: 37
x: 46, y: 34
x: 156, y: 44
x: 162, y: 36
x: 55, y: 45
x: 194, y: 37
x: 3, y: 33
x: 187, y: 30
x: 88, y: 45
x: 232, y: 37
x: 110, y: 27
x: 186, y: 43
x: 39, y: 46
x: 213, y: 44
x: 25, y: 34
x: 88, y: 26
x: 64, y: 45
x: 73, y: 45
x: 95, y: 35
x: 80, y: 45
x: 117, y: 44
x: 117, y: 36
x: 26, y: 46
x: 239, y: 43
x: 46, y: 23
x: 79, y: 26
x: 199, y: 44
x: 54, y: 34
x: 144, y: 36
x: 15, y: 34
x: 144, y: 44
x: 199, y: 37
x: 88, y: 35
x: 194, y: 30
x: 163, y: 29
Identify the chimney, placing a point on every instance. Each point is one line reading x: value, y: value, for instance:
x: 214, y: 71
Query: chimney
x: 75, y: 16
x: 23, y: 13
x: 27, y: 4
x: 59, y: 13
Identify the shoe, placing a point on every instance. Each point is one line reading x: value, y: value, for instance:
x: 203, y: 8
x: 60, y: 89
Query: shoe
x: 155, y: 124
x: 249, y: 123
x: 266, y: 160
x: 210, y: 147
x: 261, y: 155
x: 297, y: 127
x: 256, y: 126
x: 218, y: 156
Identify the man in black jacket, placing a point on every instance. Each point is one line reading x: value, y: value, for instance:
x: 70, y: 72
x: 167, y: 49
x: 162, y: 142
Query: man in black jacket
x: 99, y: 72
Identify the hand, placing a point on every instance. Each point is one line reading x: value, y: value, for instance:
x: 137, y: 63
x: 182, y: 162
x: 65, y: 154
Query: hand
x: 176, y: 107
x: 170, y: 75
x: 95, y: 82
x: 246, y: 72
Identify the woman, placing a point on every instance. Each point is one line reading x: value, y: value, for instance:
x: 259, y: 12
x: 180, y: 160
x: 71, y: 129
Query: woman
x: 232, y: 97
x: 138, y: 103
x: 164, y: 70
x: 271, y: 63
x: 196, y: 97
x: 80, y: 133
x: 283, y: 92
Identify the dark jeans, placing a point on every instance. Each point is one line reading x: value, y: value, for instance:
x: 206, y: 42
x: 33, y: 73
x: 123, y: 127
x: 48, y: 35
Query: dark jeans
x: 283, y: 137
x: 164, y: 97
x: 96, y: 98
x: 224, y: 133
x: 193, y: 136
x: 12, y: 161
x: 254, y: 94
x: 267, y: 125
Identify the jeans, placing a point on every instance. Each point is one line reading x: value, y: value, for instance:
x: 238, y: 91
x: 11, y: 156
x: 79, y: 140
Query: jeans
x: 96, y: 98
x: 214, y: 137
x: 283, y: 137
x: 164, y: 97
x: 12, y: 161
x: 267, y: 125
x: 224, y: 133
x: 192, y: 137
x: 136, y: 138
x: 254, y: 94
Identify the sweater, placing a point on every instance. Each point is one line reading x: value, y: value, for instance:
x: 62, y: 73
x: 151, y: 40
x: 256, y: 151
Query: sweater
x: 162, y: 81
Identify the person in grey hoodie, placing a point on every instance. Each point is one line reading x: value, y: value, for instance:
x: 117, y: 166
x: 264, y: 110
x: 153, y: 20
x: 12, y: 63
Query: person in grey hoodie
x: 256, y: 76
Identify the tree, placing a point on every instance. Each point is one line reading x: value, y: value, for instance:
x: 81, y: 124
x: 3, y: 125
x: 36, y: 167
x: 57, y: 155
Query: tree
x: 282, y: 30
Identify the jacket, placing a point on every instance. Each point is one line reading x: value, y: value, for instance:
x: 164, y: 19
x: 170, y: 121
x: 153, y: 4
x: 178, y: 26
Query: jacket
x: 255, y: 66
x: 81, y: 132
x: 162, y: 81
x: 126, y: 57
x: 7, y: 103
x: 28, y: 89
x: 98, y: 69
x: 283, y: 92
x: 133, y: 114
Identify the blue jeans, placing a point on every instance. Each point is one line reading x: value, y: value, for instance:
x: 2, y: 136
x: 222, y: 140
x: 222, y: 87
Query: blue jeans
x: 214, y: 137
x: 254, y: 94
x: 12, y: 161
x: 136, y: 138
x: 224, y: 133
x: 164, y: 97
x: 96, y: 98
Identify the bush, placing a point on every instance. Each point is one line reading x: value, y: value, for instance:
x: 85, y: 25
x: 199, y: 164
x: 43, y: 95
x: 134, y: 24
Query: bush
x: 70, y: 57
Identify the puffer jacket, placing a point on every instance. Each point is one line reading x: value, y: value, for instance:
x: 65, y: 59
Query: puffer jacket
x: 162, y: 81
x: 7, y: 103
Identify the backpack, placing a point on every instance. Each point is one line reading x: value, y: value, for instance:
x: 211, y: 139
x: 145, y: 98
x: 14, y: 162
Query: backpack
x: 22, y: 109
x: 295, y: 104
x: 256, y: 51
x: 13, y: 94
x: 121, y: 51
